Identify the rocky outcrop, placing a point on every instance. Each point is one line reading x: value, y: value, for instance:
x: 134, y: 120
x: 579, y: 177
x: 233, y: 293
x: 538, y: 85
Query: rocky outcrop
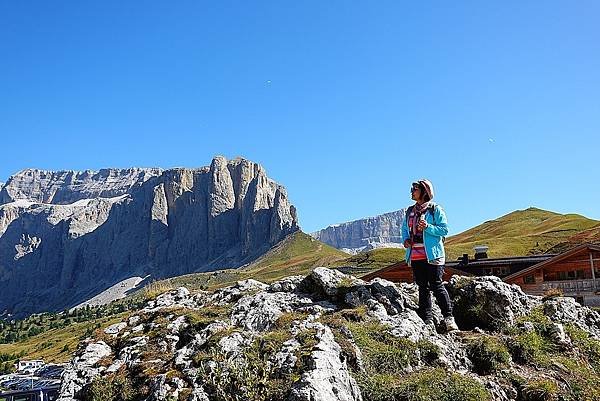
x: 63, y: 247
x: 361, y: 235
x: 330, y: 336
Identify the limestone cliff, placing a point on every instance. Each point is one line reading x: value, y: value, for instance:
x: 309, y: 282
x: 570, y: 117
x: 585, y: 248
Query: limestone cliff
x: 66, y: 236
x: 360, y: 235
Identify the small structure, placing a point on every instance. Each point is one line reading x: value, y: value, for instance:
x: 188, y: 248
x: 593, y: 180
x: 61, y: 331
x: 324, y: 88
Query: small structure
x: 29, y: 366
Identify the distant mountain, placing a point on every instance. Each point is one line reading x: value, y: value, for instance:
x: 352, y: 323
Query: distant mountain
x: 383, y: 231
x: 67, y: 236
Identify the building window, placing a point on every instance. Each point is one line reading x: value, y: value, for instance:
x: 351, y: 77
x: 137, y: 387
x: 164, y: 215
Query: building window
x: 529, y: 279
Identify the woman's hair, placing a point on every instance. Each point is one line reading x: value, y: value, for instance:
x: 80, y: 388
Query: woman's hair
x: 423, y: 191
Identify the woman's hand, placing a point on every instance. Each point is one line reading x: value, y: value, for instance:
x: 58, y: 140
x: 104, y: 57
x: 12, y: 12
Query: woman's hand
x: 407, y: 243
x: 422, y: 225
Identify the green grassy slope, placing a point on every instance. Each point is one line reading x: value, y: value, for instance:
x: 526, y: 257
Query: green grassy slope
x: 522, y: 232
x: 297, y: 254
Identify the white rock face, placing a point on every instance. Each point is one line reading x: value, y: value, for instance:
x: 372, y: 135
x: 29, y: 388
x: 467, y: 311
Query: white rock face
x: 383, y: 231
x: 65, y: 187
x: 68, y: 236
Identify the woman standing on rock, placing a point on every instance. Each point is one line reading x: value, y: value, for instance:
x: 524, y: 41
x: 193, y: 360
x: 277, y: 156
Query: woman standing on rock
x: 423, y: 232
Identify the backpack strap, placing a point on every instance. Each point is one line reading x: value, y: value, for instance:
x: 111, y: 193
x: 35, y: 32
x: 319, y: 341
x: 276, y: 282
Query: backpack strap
x: 432, y: 211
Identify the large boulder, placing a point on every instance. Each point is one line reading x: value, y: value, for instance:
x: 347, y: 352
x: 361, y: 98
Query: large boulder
x: 488, y: 302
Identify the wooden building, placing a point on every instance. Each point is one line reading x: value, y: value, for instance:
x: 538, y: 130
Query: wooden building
x: 575, y: 272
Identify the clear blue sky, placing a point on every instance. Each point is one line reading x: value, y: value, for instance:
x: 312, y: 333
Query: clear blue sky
x: 344, y: 103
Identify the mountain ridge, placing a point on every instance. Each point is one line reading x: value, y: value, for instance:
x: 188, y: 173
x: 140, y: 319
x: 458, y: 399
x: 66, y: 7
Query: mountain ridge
x: 183, y: 220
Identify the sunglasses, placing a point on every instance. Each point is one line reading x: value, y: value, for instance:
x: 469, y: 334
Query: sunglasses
x: 413, y: 189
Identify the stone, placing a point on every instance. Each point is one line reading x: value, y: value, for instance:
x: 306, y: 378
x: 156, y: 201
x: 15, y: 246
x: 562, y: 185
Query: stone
x: 328, y: 377
x: 114, y: 329
x: 488, y: 302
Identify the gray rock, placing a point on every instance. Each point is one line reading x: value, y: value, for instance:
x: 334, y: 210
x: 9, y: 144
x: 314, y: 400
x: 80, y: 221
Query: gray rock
x: 288, y: 284
x: 233, y: 293
x: 258, y: 312
x: 115, y: 329
x: 328, y: 282
x: 488, y: 302
x: 567, y: 310
x: 66, y: 241
x: 64, y: 187
x: 328, y: 377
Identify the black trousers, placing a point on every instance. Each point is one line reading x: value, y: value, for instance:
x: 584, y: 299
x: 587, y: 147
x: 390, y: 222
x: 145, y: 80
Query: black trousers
x: 429, y: 278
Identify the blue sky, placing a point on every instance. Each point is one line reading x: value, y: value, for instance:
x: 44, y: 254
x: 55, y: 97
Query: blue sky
x: 344, y: 103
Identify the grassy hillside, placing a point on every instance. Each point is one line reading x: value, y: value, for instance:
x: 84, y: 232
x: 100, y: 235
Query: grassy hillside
x: 297, y: 254
x: 56, y: 345
x: 375, y: 258
x: 523, y: 232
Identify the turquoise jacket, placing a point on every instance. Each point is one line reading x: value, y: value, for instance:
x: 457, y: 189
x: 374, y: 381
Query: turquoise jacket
x: 433, y: 234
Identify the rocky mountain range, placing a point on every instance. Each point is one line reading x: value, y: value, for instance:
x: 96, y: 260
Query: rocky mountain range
x: 383, y: 231
x: 66, y: 236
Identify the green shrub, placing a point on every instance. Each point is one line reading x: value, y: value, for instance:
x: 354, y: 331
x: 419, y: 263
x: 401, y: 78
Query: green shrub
x: 252, y: 377
x: 488, y: 354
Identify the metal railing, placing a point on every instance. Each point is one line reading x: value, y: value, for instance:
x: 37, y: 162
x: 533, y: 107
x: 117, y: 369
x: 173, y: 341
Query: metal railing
x: 573, y: 286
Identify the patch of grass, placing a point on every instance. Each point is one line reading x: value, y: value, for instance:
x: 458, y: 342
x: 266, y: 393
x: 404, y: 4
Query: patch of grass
x: 156, y: 288
x: 535, y: 347
x: 488, y: 354
x: 423, y: 385
x: 386, y: 353
x: 584, y: 382
x: 531, y: 348
x: 284, y: 322
x: 540, y: 390
x: 253, y: 377
x: 552, y: 293
x: 587, y: 345
x: 50, y: 345
x: 112, y: 387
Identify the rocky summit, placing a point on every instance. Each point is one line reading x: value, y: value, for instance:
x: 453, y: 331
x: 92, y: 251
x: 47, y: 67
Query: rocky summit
x: 383, y: 231
x: 328, y: 336
x: 67, y: 236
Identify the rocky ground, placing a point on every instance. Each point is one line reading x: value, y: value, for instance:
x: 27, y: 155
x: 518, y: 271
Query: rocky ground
x: 329, y: 336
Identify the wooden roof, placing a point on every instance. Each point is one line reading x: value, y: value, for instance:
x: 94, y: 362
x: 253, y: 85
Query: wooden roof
x: 402, y: 265
x: 555, y: 259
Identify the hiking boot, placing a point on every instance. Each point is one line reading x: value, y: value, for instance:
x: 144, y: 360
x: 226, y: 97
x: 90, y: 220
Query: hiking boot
x: 450, y: 324
x: 429, y: 323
